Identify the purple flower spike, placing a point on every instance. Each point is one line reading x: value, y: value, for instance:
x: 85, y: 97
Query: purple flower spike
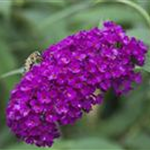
x: 73, y: 76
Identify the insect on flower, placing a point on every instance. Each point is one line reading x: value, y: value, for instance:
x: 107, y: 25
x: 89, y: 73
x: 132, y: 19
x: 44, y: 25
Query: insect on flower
x: 33, y: 58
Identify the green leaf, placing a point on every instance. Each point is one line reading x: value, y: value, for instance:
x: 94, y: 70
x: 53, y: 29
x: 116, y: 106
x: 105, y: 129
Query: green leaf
x: 91, y: 16
x: 57, y: 32
x: 8, y: 62
x: 6, y: 137
x: 146, y: 67
x: 63, y: 14
x: 137, y: 140
x: 132, y: 109
x: 93, y: 143
x: 23, y: 146
x: 80, y: 144
x: 140, y: 33
x: 5, y: 7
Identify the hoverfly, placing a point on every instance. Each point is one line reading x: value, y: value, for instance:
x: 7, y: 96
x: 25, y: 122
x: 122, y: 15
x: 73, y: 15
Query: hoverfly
x: 33, y: 58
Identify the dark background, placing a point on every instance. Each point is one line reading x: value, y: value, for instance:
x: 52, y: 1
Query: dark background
x: 30, y: 25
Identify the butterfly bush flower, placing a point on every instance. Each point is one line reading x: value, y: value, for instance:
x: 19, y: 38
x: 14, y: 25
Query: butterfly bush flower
x: 74, y: 75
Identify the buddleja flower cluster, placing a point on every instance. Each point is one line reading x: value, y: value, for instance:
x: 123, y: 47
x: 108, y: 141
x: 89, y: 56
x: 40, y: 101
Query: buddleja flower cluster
x: 73, y: 76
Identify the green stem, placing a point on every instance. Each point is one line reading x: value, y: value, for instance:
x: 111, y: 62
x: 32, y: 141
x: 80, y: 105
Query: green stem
x: 131, y: 4
x: 141, y: 11
x: 13, y: 72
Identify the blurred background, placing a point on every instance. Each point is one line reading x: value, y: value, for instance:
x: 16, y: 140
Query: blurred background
x: 29, y: 25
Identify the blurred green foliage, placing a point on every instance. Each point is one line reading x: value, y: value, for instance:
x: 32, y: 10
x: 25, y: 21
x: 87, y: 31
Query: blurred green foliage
x: 29, y: 25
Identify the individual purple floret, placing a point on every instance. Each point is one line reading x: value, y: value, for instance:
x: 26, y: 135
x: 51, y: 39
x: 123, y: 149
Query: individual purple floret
x: 73, y: 76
